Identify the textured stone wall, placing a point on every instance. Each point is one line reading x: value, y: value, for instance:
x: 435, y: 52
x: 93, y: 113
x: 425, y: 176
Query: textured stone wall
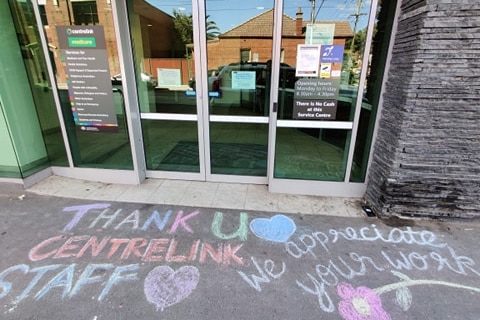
x: 427, y: 154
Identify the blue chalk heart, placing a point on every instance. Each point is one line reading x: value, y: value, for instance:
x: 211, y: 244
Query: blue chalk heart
x: 278, y: 229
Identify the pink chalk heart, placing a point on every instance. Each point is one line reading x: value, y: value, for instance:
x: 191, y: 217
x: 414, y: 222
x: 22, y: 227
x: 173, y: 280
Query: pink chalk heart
x: 164, y: 287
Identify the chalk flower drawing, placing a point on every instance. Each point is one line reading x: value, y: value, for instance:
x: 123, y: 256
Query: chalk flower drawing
x: 403, y: 294
x: 365, y: 304
x: 360, y: 303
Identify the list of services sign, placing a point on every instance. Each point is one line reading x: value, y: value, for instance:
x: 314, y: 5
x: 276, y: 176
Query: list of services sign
x: 84, y: 56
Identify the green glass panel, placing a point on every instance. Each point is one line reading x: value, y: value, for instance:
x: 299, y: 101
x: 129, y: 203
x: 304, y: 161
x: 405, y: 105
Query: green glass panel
x: 311, y: 154
x: 8, y: 160
x: 36, y: 68
x: 18, y: 105
x: 89, y: 88
x: 239, y: 148
x: 171, y: 145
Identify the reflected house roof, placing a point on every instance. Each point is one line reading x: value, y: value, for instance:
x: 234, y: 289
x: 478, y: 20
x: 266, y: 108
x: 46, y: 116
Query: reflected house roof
x: 261, y: 26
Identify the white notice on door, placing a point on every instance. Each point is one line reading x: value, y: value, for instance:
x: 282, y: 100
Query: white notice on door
x: 308, y: 60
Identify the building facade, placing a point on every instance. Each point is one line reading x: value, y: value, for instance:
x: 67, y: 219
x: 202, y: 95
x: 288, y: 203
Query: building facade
x: 382, y: 104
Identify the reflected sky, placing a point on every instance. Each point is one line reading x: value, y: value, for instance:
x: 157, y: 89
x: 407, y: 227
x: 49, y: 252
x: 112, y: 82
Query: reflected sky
x: 228, y: 14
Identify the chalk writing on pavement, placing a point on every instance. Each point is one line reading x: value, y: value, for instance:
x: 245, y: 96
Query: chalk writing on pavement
x: 167, y: 266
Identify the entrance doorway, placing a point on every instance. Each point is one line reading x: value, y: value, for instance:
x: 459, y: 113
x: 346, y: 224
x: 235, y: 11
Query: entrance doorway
x: 272, y: 97
x: 219, y: 91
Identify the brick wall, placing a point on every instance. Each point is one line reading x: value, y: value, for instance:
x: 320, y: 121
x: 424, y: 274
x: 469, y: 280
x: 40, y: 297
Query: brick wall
x: 427, y: 154
x: 57, y: 15
x: 227, y: 50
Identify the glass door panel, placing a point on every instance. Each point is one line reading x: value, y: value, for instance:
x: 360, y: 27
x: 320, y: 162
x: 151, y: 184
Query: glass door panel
x: 304, y: 153
x: 83, y: 51
x: 321, y: 81
x: 171, y: 145
x: 372, y: 89
x: 163, y: 47
x: 238, y: 148
x: 239, y: 58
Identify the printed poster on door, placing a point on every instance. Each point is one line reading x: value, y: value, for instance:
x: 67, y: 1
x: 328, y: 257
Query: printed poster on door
x: 316, y: 99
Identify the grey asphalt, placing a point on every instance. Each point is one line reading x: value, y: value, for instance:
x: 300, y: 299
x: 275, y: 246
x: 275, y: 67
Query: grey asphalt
x: 65, y: 258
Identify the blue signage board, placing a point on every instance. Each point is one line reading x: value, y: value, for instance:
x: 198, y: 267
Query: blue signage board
x: 332, y: 53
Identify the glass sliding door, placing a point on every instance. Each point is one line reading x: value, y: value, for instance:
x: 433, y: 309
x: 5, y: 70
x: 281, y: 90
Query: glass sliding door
x: 82, y: 48
x: 239, y: 59
x: 206, y: 116
x: 164, y: 58
x: 270, y: 93
x: 322, y: 75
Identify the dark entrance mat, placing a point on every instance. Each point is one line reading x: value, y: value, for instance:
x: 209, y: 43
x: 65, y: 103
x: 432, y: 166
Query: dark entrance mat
x: 226, y: 158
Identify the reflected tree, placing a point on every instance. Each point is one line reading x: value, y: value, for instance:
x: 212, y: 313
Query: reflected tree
x: 183, y: 24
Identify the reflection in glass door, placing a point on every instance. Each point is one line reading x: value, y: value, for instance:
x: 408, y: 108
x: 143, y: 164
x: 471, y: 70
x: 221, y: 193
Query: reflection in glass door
x: 239, y: 81
x: 320, y: 97
x: 205, y: 112
x: 165, y: 58
x: 231, y: 91
x: 81, y: 44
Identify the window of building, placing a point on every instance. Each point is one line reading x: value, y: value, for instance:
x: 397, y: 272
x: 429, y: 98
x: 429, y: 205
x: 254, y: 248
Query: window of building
x: 85, y: 12
x: 43, y: 14
x: 245, y: 55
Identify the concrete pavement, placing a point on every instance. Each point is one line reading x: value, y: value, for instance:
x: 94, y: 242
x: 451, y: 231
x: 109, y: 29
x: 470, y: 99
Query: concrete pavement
x: 100, y: 258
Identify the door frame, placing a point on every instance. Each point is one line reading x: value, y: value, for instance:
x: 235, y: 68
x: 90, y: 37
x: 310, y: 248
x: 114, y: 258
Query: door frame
x: 343, y: 188
x: 203, y: 118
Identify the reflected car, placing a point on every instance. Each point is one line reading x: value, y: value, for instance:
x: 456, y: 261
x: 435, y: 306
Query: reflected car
x: 247, y: 84
x: 146, y: 77
x: 212, y: 76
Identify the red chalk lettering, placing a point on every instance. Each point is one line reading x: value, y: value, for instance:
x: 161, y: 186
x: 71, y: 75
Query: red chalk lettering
x: 96, y: 247
x: 69, y: 246
x: 116, y: 243
x: 194, y: 250
x: 133, y: 247
x: 155, y: 246
x: 208, y: 249
x: 170, y: 256
x: 229, y: 254
x: 34, y: 254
